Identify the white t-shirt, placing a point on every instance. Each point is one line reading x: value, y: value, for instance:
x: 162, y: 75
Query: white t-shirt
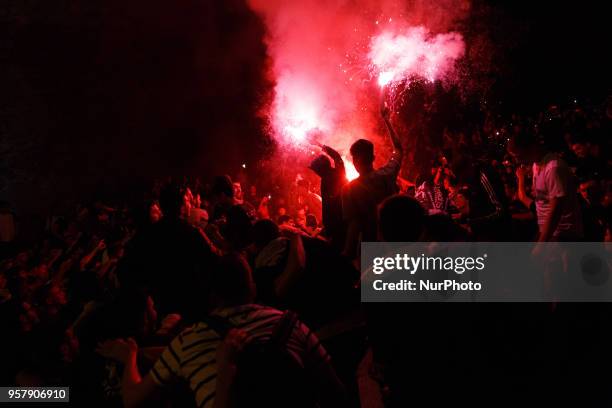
x: 552, y: 178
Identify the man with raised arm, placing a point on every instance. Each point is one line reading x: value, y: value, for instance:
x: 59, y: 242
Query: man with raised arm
x: 333, y: 180
x: 361, y: 197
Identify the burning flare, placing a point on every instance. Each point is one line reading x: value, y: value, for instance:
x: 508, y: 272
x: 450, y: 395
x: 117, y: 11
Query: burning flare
x: 349, y: 167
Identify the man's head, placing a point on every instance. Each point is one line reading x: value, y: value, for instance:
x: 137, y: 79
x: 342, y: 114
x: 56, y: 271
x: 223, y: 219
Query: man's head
x: 581, y: 150
x: 132, y: 313
x: 238, y: 191
x: 197, y: 201
x: 524, y: 147
x: 461, y: 201
x: 401, y: 219
x: 300, y: 216
x: 187, y: 203
x: 321, y: 165
x: 591, y: 191
x: 264, y: 231
x: 188, y: 195
x: 581, y: 146
x: 232, y: 282
x: 237, y: 229
x: 222, y: 190
x: 171, y: 201
x: 284, y: 220
x: 362, y: 152
x: 311, y: 221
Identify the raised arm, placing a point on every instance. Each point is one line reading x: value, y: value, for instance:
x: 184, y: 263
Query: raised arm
x: 521, y: 190
x: 135, y: 389
x: 100, y: 246
x: 397, y: 144
x: 338, y: 162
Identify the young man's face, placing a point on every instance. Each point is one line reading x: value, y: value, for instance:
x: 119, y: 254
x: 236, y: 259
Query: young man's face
x: 586, y: 190
x: 461, y: 202
x: 301, y: 216
x: 520, y: 154
x: 580, y: 149
x: 154, y: 213
x: 188, y: 194
x: 238, y: 191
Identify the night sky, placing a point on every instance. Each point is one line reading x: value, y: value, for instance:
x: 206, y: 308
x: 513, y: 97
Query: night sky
x: 99, y: 95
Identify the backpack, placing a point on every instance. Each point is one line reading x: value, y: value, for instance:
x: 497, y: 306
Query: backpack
x: 267, y: 374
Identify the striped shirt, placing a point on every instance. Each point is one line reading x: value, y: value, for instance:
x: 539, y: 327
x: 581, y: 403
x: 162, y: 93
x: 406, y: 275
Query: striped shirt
x: 191, y: 355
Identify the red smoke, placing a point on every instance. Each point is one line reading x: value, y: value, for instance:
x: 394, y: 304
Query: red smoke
x: 329, y: 56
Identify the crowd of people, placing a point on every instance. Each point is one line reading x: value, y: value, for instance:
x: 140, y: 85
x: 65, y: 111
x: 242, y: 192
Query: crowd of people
x: 215, y: 295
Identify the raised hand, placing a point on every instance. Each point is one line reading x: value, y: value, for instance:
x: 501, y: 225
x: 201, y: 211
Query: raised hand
x: 521, y: 172
x: 118, y: 349
x: 313, y: 137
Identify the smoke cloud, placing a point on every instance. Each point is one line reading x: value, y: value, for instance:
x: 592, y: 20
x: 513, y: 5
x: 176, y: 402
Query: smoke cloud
x: 327, y: 58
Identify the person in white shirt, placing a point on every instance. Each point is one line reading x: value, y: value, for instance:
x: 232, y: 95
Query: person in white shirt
x: 554, y: 190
